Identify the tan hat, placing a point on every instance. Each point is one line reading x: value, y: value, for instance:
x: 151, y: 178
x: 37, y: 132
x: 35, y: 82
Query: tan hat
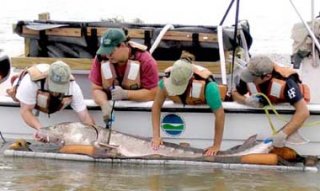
x: 257, y: 67
x: 179, y: 77
x: 59, y: 77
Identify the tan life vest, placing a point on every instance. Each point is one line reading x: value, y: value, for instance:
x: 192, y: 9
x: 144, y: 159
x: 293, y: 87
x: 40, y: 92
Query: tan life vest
x: 276, y: 87
x: 131, y: 78
x: 44, y: 101
x: 50, y: 104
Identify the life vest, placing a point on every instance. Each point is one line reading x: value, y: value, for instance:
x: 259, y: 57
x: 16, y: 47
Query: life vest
x: 276, y: 88
x: 195, y: 92
x: 131, y: 78
x: 45, y: 102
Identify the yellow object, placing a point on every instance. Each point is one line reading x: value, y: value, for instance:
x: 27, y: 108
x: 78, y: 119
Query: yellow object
x: 260, y: 158
x: 20, y: 145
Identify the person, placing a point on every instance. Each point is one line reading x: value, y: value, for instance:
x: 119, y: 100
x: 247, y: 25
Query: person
x: 48, y: 88
x: 186, y: 79
x: 4, y: 66
x: 279, y: 84
x: 122, y: 70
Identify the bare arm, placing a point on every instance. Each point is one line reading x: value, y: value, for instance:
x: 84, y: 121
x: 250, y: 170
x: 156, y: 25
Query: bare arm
x: 156, y: 111
x: 98, y: 95
x: 85, y: 117
x: 142, y: 94
x: 28, y: 116
x: 298, y: 118
x: 238, y: 97
x: 218, y: 132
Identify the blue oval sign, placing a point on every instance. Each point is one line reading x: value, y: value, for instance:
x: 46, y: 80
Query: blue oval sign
x: 172, y: 124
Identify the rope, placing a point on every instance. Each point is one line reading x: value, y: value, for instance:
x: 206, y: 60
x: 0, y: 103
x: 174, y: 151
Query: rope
x: 279, y: 117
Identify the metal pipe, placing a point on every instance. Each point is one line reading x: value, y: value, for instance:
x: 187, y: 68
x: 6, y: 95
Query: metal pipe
x: 222, y: 57
x: 159, y: 37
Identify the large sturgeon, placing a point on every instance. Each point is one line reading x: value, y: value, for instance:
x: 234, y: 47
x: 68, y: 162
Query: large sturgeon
x: 77, y: 133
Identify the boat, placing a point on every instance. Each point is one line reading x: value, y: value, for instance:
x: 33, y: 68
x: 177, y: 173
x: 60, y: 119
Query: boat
x: 47, y: 41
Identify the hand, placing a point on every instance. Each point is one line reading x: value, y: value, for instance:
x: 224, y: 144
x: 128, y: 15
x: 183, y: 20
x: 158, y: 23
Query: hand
x: 118, y: 93
x: 39, y: 138
x: 156, y: 142
x: 253, y: 101
x: 106, y: 112
x: 211, y: 151
x: 279, y: 139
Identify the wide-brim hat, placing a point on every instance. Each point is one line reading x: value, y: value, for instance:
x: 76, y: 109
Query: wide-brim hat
x: 257, y: 67
x: 59, y: 77
x: 178, y: 80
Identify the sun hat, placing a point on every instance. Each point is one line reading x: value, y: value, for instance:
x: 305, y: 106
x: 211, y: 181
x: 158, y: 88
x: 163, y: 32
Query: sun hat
x: 178, y: 80
x: 257, y: 67
x: 110, y: 40
x: 59, y: 77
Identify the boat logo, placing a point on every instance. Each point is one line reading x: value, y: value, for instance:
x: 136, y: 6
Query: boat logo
x: 172, y: 124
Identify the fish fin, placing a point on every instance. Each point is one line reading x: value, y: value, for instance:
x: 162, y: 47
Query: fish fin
x: 248, y: 143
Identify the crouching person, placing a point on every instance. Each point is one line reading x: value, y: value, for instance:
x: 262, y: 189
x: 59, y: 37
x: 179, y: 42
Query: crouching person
x: 279, y: 84
x: 48, y: 88
x: 186, y: 80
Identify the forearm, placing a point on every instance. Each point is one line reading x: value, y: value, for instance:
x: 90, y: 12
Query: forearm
x: 156, y: 110
x: 219, y: 127
x: 30, y: 119
x: 99, y: 96
x: 142, y: 94
x: 299, y: 117
x: 85, y: 117
x: 238, y: 97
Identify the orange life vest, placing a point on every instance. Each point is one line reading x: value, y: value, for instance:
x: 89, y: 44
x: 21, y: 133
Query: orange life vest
x: 276, y: 87
x: 131, y: 78
x: 195, y: 92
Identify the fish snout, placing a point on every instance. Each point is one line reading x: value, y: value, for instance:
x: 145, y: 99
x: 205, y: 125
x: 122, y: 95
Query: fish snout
x: 20, y: 145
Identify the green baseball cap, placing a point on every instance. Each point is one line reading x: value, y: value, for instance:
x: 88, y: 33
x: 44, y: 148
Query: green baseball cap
x: 110, y: 40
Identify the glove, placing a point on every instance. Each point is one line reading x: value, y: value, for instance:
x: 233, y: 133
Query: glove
x: 279, y: 140
x: 253, y: 101
x: 106, y: 112
x: 118, y: 93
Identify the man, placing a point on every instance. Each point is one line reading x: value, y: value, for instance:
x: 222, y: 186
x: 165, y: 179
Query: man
x: 279, y: 84
x: 48, y: 88
x: 122, y: 70
x: 192, y: 85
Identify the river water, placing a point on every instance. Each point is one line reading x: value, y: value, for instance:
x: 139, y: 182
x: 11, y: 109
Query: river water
x: 26, y: 174
x: 271, y: 22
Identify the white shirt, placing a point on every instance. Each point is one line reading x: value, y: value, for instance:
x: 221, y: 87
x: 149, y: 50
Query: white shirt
x: 27, y: 92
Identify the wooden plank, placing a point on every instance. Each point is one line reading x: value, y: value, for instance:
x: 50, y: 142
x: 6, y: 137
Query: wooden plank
x: 187, y: 36
x: 69, y: 32
x: 85, y: 64
x: 74, y: 63
x: 133, y: 33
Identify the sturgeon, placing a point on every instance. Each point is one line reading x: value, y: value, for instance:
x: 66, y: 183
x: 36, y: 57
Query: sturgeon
x: 76, y: 133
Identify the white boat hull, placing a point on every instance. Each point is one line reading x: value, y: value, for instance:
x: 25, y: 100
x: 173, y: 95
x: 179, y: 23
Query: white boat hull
x: 198, y: 129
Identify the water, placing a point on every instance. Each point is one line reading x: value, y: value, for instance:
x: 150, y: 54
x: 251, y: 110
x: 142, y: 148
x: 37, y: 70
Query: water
x: 271, y: 22
x: 44, y: 174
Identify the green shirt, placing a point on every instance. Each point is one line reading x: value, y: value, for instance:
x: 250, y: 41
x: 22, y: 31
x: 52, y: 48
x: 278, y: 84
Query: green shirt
x: 212, y: 94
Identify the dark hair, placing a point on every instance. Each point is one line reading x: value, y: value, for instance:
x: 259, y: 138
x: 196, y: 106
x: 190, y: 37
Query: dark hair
x: 4, y: 66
